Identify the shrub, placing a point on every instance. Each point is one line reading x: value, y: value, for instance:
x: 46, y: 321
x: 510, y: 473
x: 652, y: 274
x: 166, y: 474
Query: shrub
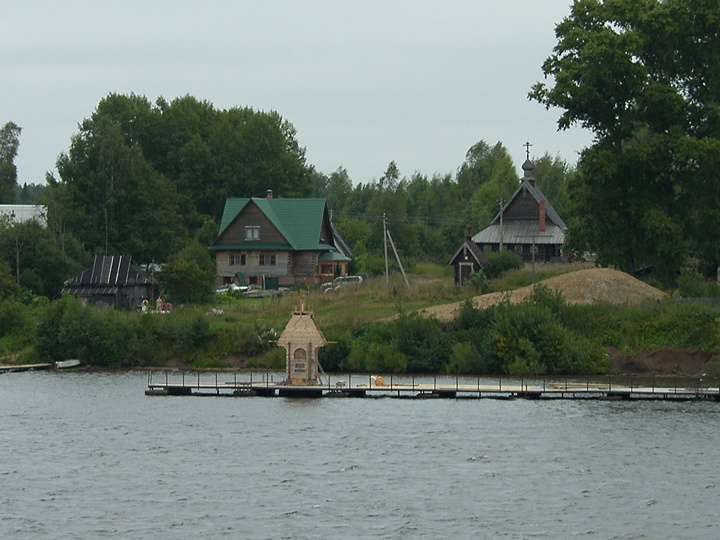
x: 333, y: 356
x: 422, y: 341
x: 12, y: 317
x: 502, y: 261
x: 466, y: 359
x: 692, y: 285
x: 479, y: 281
x: 385, y: 358
x: 552, y: 299
x: 274, y: 360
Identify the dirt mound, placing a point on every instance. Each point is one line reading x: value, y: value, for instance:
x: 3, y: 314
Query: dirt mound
x: 664, y: 361
x: 593, y: 285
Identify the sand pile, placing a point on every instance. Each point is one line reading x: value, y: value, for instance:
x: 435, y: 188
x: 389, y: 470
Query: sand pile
x: 589, y: 286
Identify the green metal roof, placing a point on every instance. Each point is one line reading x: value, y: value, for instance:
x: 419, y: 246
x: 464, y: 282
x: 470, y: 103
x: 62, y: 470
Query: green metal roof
x: 298, y: 220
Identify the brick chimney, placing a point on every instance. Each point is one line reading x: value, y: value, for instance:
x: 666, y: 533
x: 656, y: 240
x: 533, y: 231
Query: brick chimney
x: 542, y: 216
x: 269, y: 194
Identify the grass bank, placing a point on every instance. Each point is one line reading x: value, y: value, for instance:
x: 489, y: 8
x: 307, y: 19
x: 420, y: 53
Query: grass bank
x: 543, y: 335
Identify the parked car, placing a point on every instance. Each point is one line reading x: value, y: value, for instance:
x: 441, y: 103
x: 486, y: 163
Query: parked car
x: 342, y: 281
x: 230, y: 288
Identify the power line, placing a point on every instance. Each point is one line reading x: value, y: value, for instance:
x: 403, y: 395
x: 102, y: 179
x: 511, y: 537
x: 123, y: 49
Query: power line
x: 430, y: 220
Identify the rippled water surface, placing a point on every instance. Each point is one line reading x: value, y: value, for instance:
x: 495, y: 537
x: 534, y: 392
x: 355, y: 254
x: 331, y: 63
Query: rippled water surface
x: 87, y: 455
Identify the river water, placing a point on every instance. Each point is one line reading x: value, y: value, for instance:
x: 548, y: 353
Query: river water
x: 88, y: 455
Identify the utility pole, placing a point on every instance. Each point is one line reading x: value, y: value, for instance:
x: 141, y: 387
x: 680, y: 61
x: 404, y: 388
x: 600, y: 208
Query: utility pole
x: 387, y: 274
x: 501, y: 225
x: 386, y: 237
x: 533, y: 249
x: 397, y: 258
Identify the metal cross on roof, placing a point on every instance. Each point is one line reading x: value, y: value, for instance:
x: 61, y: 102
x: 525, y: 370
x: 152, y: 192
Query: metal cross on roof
x: 527, y: 146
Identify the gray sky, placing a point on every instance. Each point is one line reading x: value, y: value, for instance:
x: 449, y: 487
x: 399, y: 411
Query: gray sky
x: 363, y: 82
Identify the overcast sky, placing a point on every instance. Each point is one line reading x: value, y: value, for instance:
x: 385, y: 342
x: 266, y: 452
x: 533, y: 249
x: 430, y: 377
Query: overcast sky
x: 363, y: 82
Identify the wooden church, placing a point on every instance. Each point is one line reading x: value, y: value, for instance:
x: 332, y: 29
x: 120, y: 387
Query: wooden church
x: 527, y: 224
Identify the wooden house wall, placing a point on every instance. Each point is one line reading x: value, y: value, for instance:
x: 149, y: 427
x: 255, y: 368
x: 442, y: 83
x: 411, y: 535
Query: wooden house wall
x: 291, y: 267
x: 524, y: 207
x: 128, y: 297
x: 304, y: 263
x: 252, y: 266
x: 544, y: 253
x: 131, y: 296
x: 251, y: 216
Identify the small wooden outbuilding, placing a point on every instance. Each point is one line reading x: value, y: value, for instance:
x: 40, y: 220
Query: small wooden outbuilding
x: 468, y: 259
x: 302, y: 340
x: 113, y: 281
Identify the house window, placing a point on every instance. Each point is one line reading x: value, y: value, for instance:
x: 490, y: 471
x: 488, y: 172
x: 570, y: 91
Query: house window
x: 252, y: 233
x: 519, y: 249
x: 267, y: 259
x: 326, y: 269
x: 237, y: 260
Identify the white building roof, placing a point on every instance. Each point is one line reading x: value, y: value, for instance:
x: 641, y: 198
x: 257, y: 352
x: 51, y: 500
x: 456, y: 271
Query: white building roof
x: 19, y: 213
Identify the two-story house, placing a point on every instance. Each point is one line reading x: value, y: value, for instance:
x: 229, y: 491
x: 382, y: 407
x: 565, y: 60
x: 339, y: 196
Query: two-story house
x: 276, y: 241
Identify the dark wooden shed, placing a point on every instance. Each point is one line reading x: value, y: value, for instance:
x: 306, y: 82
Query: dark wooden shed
x: 468, y: 259
x: 113, y: 281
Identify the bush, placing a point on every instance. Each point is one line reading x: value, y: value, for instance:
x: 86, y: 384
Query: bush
x: 12, y: 317
x: 501, y: 262
x: 531, y: 339
x: 274, y: 360
x: 422, y: 341
x: 479, y: 281
x: 692, y: 285
x: 385, y: 358
x: 333, y: 356
x: 466, y: 359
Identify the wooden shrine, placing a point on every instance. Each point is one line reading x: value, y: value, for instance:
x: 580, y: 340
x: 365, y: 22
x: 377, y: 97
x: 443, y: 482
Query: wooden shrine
x: 302, y: 340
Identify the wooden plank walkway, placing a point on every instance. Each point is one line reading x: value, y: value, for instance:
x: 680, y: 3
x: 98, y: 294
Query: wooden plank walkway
x: 24, y: 367
x: 227, y: 384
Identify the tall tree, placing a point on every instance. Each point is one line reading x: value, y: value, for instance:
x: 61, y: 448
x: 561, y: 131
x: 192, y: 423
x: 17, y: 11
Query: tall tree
x: 553, y: 176
x: 9, y: 143
x: 338, y: 190
x: 117, y: 203
x: 485, y: 179
x: 140, y: 178
x: 644, y: 77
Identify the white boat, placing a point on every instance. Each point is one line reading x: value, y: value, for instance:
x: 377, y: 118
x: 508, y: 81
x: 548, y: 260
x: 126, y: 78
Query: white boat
x: 65, y: 364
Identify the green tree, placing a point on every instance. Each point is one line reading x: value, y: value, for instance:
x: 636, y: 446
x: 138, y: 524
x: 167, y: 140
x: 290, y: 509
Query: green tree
x: 484, y: 164
x: 142, y: 178
x: 8, y: 285
x: 189, y: 275
x: 9, y: 143
x: 553, y: 175
x: 486, y: 179
x: 114, y: 200
x: 338, y: 190
x: 37, y: 263
x: 644, y: 78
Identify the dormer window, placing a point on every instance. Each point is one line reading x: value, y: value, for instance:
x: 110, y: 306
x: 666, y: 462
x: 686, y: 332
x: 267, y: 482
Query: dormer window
x: 252, y: 233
